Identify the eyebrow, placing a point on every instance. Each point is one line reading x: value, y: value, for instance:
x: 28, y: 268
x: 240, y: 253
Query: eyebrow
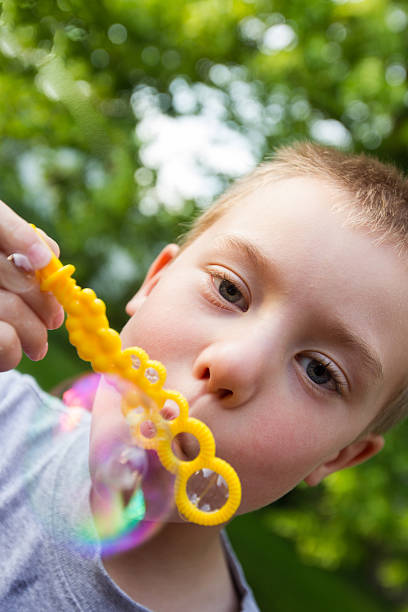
x: 343, y: 335
x: 255, y: 257
x: 370, y: 361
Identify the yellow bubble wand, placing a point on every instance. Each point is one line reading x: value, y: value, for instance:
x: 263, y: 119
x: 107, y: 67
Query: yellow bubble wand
x: 142, y: 407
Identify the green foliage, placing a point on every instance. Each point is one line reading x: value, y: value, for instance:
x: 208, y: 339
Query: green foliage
x: 357, y: 520
x: 281, y: 583
x: 81, y: 84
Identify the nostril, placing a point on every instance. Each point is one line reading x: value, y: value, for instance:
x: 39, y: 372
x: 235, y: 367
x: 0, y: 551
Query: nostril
x: 213, y: 385
x: 222, y: 393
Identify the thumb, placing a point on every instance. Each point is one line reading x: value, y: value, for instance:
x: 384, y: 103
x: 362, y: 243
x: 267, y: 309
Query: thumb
x: 16, y: 235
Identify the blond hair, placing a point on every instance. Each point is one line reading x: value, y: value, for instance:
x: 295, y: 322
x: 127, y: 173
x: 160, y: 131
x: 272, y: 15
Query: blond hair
x: 379, y: 200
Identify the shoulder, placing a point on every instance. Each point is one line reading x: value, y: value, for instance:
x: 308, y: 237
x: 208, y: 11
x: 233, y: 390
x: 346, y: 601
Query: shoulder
x: 27, y: 412
x: 20, y: 394
x: 14, y: 383
x: 17, y: 392
x: 13, y: 378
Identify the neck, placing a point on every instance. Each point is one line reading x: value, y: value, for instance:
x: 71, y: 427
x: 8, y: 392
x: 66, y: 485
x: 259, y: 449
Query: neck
x: 182, y: 567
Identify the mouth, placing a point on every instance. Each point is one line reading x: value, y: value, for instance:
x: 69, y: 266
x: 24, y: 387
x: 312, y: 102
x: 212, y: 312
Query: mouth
x: 185, y: 446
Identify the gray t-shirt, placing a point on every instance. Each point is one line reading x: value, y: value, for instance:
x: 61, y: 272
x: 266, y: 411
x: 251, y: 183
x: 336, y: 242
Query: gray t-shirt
x: 49, y: 550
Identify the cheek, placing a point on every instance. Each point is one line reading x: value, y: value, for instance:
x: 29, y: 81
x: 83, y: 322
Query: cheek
x: 139, y: 331
x: 278, y: 452
x: 266, y: 478
x: 165, y: 326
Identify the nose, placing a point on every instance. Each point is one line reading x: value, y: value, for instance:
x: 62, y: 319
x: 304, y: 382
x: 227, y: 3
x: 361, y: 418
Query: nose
x: 233, y: 371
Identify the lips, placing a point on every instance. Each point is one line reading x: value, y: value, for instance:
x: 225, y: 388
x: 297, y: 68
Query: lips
x: 185, y: 446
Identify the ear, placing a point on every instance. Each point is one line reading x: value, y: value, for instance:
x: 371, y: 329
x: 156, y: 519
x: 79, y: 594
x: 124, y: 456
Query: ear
x: 152, y: 277
x: 353, y: 454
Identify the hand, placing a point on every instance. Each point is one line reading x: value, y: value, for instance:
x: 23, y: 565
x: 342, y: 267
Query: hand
x: 26, y: 313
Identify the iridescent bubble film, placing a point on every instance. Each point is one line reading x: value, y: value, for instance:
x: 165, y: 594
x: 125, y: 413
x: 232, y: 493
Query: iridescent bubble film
x: 81, y: 392
x: 132, y: 493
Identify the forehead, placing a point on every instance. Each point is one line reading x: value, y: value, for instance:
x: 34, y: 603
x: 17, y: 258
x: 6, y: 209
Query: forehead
x: 286, y: 200
x: 298, y: 230
x: 305, y: 215
x: 310, y: 215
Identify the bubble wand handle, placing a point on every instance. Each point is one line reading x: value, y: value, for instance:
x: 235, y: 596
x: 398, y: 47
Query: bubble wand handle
x: 89, y: 331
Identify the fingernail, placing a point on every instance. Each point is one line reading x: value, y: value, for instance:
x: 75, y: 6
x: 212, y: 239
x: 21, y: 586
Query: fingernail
x: 21, y: 261
x: 58, y: 319
x: 39, y: 255
x: 43, y: 353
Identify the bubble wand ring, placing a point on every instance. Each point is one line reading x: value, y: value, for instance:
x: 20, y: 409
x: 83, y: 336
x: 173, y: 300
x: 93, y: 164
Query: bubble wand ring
x: 96, y: 342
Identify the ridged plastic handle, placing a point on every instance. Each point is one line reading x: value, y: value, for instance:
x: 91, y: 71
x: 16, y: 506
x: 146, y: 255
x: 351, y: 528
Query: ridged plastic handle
x: 96, y: 342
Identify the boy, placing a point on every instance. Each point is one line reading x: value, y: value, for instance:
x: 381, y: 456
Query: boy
x: 283, y: 319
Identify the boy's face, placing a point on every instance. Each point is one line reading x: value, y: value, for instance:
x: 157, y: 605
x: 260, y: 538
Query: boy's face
x: 285, y: 330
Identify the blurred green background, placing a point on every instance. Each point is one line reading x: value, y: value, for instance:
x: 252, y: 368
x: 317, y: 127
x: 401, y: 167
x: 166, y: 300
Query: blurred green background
x: 121, y: 119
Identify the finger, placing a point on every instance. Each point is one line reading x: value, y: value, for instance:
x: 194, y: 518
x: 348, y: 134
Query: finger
x: 15, y: 273
x: 50, y: 241
x: 10, y: 347
x: 31, y: 331
x: 16, y: 235
x: 16, y: 280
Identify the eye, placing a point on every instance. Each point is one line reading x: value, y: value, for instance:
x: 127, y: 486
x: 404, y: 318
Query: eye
x: 318, y: 372
x: 322, y: 372
x: 228, y: 289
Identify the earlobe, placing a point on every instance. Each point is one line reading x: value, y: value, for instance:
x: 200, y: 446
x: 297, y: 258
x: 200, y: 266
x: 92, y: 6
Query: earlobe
x: 167, y: 255
x: 353, y: 454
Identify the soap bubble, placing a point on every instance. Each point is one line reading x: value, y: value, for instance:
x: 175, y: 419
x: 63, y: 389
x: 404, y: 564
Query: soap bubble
x: 80, y: 392
x: 109, y: 491
x: 132, y: 494
x: 131, y: 499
